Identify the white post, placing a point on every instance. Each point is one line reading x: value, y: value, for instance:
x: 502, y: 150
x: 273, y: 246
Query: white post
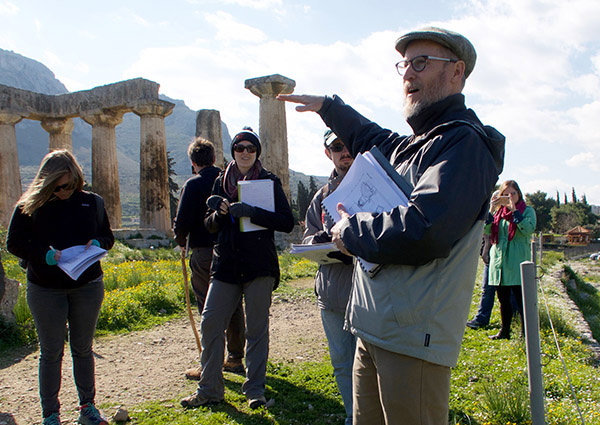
x: 532, y: 341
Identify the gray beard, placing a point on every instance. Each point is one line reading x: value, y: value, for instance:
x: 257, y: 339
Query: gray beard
x: 436, y: 92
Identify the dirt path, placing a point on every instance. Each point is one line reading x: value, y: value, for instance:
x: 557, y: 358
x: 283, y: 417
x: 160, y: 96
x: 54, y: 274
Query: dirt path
x: 149, y: 365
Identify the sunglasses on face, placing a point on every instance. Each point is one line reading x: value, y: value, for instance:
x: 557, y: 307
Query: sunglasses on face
x: 337, y: 147
x: 60, y: 187
x: 240, y: 148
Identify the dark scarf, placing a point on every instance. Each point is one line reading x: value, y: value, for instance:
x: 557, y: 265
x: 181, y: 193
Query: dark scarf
x: 506, y: 214
x: 233, y: 175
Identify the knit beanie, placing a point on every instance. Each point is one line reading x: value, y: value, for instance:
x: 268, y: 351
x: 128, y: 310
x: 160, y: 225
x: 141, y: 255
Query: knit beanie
x: 247, y: 134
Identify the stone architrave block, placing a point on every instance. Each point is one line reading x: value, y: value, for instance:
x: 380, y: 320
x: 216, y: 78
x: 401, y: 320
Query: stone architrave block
x: 9, y: 300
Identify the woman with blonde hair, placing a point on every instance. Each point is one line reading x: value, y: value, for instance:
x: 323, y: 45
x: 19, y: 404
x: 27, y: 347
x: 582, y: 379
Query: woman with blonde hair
x: 53, y: 214
x: 510, y: 231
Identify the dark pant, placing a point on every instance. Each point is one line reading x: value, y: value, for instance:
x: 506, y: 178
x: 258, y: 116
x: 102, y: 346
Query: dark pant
x: 52, y: 309
x: 200, y: 260
x: 506, y: 307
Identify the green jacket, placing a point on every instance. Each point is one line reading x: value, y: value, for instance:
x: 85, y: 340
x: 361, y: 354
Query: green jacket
x: 506, y: 257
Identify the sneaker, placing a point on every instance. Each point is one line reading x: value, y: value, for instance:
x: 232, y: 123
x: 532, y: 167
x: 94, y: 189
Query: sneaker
x: 234, y: 366
x: 474, y: 324
x: 53, y: 419
x: 256, y: 402
x: 197, y: 400
x: 194, y: 373
x: 89, y: 415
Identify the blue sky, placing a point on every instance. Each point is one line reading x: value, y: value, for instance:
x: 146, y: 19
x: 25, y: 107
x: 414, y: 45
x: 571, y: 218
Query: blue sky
x: 537, y: 78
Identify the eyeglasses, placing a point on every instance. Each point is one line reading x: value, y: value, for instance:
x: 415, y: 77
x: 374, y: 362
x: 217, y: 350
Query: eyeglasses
x: 60, y: 187
x: 338, y: 147
x: 248, y: 148
x: 419, y: 63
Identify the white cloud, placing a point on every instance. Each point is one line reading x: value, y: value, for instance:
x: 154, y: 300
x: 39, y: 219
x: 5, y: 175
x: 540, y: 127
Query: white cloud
x: 587, y: 160
x: 141, y: 21
x: 8, y: 9
x: 255, y: 4
x: 537, y: 80
x: 229, y: 29
x: 535, y: 169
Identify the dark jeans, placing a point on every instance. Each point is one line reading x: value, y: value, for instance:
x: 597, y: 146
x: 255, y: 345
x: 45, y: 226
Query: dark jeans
x: 486, y: 304
x: 200, y: 260
x: 52, y: 309
x: 505, y: 296
x: 488, y: 293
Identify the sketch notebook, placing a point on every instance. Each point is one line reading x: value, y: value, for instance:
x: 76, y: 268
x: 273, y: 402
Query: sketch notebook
x: 371, y: 185
x: 76, y: 259
x: 257, y: 193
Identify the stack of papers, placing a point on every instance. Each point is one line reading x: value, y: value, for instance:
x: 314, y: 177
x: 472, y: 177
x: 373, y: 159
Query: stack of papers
x: 76, y: 259
x: 371, y: 185
x: 316, y: 252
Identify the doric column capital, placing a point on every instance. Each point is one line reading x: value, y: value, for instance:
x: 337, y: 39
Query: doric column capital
x: 7, y: 118
x: 58, y: 125
x: 270, y: 85
x: 159, y: 108
x: 106, y: 118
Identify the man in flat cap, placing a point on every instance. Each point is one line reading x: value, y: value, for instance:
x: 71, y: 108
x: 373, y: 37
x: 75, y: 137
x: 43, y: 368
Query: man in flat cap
x: 410, y: 317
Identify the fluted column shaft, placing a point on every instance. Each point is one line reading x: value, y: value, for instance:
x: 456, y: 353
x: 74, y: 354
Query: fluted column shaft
x: 273, y: 125
x: 59, y: 130
x: 105, y: 165
x: 208, y: 126
x: 10, y: 177
x: 154, y: 173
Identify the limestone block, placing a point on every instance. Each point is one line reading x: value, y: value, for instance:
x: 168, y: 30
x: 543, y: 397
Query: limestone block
x: 9, y: 300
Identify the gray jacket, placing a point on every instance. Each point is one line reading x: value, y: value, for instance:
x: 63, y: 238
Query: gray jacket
x: 418, y: 303
x: 332, y: 281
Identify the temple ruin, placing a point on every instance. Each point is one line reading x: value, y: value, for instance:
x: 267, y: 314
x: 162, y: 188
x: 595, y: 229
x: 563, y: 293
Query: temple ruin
x: 103, y: 108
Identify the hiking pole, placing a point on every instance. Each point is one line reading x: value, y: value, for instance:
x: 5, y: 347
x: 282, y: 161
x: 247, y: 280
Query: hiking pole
x: 187, y: 301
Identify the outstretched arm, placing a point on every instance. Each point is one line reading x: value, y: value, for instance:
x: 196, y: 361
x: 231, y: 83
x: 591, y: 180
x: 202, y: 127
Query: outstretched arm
x: 306, y: 102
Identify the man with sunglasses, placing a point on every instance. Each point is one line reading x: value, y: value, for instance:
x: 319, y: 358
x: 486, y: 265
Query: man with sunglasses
x: 333, y: 281
x: 409, y: 318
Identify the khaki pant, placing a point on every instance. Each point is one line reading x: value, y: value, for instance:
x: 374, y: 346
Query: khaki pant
x: 394, y: 389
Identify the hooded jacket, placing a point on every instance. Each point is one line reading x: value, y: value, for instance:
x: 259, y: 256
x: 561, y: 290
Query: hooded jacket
x: 418, y: 303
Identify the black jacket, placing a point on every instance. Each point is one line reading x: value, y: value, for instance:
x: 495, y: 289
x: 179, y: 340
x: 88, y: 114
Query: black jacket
x: 192, y: 208
x: 60, y: 224
x: 241, y: 257
x: 452, y: 160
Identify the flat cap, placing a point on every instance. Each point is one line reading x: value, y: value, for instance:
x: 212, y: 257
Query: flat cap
x: 456, y: 42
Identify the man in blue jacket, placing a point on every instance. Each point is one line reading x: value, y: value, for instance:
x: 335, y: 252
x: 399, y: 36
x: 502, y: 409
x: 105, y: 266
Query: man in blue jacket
x: 410, y: 317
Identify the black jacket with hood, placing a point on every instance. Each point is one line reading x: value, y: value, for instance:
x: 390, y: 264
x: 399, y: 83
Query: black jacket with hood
x: 240, y: 257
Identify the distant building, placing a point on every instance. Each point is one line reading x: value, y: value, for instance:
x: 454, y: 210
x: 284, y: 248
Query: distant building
x: 579, y: 236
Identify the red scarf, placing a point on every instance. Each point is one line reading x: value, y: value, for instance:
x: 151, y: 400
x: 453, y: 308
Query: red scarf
x: 233, y: 175
x: 506, y: 214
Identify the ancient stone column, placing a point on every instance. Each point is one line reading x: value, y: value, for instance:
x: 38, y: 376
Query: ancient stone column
x: 60, y: 130
x: 208, y: 126
x: 105, y: 166
x: 272, y: 124
x: 154, y: 174
x: 10, y: 177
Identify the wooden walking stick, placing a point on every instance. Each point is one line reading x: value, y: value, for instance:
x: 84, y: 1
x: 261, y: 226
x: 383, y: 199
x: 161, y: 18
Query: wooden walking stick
x: 187, y: 301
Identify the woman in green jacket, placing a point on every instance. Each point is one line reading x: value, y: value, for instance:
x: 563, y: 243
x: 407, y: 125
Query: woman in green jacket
x: 510, y: 230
